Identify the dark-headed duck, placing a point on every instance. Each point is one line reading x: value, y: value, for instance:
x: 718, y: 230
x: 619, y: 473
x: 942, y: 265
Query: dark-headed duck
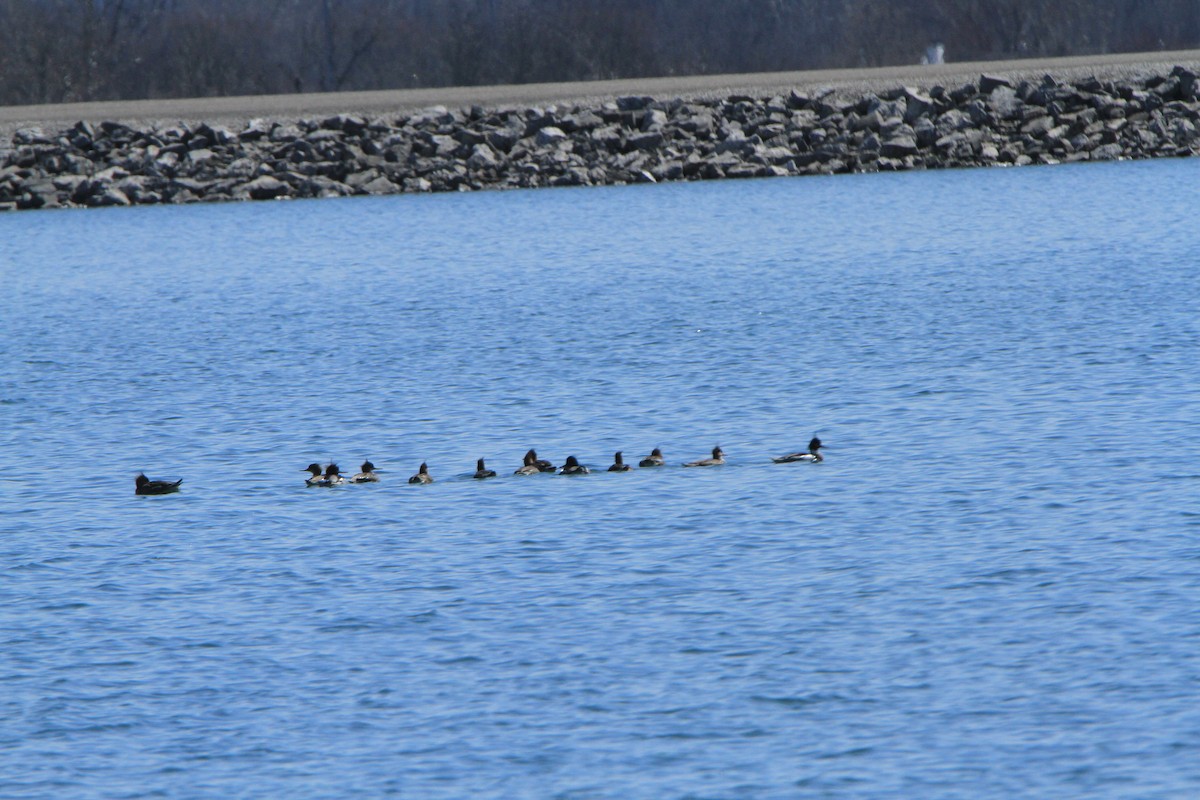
x: 422, y: 475
x: 530, y: 466
x: 541, y: 463
x: 367, y: 475
x: 619, y: 464
x: 655, y: 459
x: 146, y: 486
x: 573, y: 467
x: 333, y: 476
x: 813, y: 456
x: 316, y: 479
x: 482, y: 472
x: 718, y: 458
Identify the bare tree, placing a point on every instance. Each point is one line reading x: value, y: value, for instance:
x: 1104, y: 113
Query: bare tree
x: 69, y: 50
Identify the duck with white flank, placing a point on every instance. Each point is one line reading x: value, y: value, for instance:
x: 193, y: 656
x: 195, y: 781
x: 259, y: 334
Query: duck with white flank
x: 144, y: 485
x: 530, y: 466
x: 573, y: 467
x: 541, y: 463
x: 316, y: 479
x: 422, y: 475
x: 482, y: 472
x: 655, y: 459
x: 367, y: 475
x: 812, y: 456
x: 333, y: 476
x: 619, y: 464
x: 718, y: 458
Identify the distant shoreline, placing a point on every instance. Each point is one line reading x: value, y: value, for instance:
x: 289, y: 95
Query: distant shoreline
x: 231, y: 111
x: 1013, y: 113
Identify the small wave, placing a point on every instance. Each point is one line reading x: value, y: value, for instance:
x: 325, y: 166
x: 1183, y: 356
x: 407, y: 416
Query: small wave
x: 800, y: 701
x: 851, y: 753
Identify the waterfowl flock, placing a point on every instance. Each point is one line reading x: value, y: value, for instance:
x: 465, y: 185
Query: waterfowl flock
x: 330, y: 475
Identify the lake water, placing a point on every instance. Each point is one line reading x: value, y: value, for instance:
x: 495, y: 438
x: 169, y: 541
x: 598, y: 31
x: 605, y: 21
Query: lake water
x: 988, y: 589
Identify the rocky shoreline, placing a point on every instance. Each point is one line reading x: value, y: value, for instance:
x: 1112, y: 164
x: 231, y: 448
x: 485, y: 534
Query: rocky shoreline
x: 995, y: 120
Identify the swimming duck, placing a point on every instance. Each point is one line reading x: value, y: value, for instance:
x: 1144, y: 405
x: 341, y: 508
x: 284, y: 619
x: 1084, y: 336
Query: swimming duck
x: 147, y: 486
x: 541, y: 463
x: 655, y: 459
x: 573, y: 467
x: 530, y: 467
x: 718, y: 458
x: 482, y: 472
x: 812, y: 456
x: 422, y: 475
x: 367, y: 475
x: 317, y: 479
x: 333, y: 476
x: 619, y: 464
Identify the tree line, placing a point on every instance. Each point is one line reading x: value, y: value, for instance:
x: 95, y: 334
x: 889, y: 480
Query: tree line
x: 55, y: 51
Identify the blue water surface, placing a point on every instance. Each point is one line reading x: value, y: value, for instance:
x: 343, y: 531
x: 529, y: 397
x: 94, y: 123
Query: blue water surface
x: 988, y: 589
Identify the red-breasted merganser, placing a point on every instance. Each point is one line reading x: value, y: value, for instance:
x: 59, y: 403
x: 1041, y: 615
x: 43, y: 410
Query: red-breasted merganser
x: 812, y: 456
x: 655, y: 459
x: 541, y: 463
x: 367, y: 475
x: 718, y: 458
x: 316, y: 479
x: 422, y: 475
x: 619, y: 464
x: 573, y: 467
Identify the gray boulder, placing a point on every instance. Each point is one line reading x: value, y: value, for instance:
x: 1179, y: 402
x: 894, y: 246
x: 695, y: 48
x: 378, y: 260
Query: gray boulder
x: 200, y: 156
x: 608, y: 137
x: 989, y: 83
x: 380, y: 186
x: 654, y: 119
x: 265, y: 187
x: 917, y: 105
x: 634, y: 103
x: 108, y: 195
x: 482, y: 157
x: 899, y: 147
x: 1004, y: 103
x: 549, y: 136
x: 645, y: 141
x: 256, y: 129
x: 1038, y: 126
x: 502, y: 139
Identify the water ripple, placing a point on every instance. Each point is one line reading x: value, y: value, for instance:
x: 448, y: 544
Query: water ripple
x: 986, y: 589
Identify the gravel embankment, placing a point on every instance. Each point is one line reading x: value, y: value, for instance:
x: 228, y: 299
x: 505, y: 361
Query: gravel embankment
x: 1017, y: 112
